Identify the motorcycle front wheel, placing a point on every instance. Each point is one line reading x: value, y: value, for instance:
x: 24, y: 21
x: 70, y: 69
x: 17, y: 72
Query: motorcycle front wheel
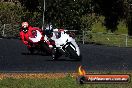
x: 72, y: 53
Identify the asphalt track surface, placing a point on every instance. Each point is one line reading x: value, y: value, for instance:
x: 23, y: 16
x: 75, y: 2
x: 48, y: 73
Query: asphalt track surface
x: 14, y: 57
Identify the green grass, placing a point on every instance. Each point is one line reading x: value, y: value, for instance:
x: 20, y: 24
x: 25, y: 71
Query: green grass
x: 122, y: 28
x: 66, y: 82
x: 99, y: 26
x: 107, y: 39
x: 100, y: 35
x: 110, y: 39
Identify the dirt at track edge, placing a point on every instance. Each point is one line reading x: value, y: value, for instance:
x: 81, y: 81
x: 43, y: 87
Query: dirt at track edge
x: 36, y: 75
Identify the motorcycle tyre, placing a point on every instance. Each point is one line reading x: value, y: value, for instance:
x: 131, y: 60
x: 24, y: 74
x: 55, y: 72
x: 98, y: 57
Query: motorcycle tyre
x: 46, y: 48
x: 31, y: 50
x: 72, y: 53
x: 56, y: 54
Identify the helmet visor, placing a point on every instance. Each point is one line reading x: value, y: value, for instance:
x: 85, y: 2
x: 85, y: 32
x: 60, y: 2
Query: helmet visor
x: 25, y: 29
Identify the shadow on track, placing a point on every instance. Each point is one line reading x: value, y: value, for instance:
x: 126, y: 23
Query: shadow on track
x: 41, y: 54
x: 63, y: 60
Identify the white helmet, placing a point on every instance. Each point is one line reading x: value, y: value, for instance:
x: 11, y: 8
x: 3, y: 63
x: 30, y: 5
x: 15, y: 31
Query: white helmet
x: 25, y: 24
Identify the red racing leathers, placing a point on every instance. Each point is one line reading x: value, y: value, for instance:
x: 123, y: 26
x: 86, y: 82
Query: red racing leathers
x: 25, y: 35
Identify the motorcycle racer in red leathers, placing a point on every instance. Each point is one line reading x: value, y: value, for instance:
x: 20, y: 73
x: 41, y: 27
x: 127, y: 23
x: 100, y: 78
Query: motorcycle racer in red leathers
x: 27, y: 32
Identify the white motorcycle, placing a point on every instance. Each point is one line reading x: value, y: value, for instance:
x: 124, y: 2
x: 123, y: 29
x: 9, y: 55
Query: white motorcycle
x: 65, y: 44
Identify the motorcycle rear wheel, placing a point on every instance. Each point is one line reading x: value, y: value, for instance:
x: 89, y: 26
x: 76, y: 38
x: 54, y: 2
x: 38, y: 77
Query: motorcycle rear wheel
x: 56, y: 54
x: 46, y: 49
x: 31, y: 50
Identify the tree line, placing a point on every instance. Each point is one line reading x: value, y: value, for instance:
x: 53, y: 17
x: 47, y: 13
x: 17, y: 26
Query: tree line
x: 70, y: 14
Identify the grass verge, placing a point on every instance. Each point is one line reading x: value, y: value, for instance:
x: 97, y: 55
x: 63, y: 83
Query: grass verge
x: 120, y: 40
x: 41, y: 80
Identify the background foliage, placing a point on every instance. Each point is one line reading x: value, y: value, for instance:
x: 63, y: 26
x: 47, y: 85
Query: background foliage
x: 69, y: 14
